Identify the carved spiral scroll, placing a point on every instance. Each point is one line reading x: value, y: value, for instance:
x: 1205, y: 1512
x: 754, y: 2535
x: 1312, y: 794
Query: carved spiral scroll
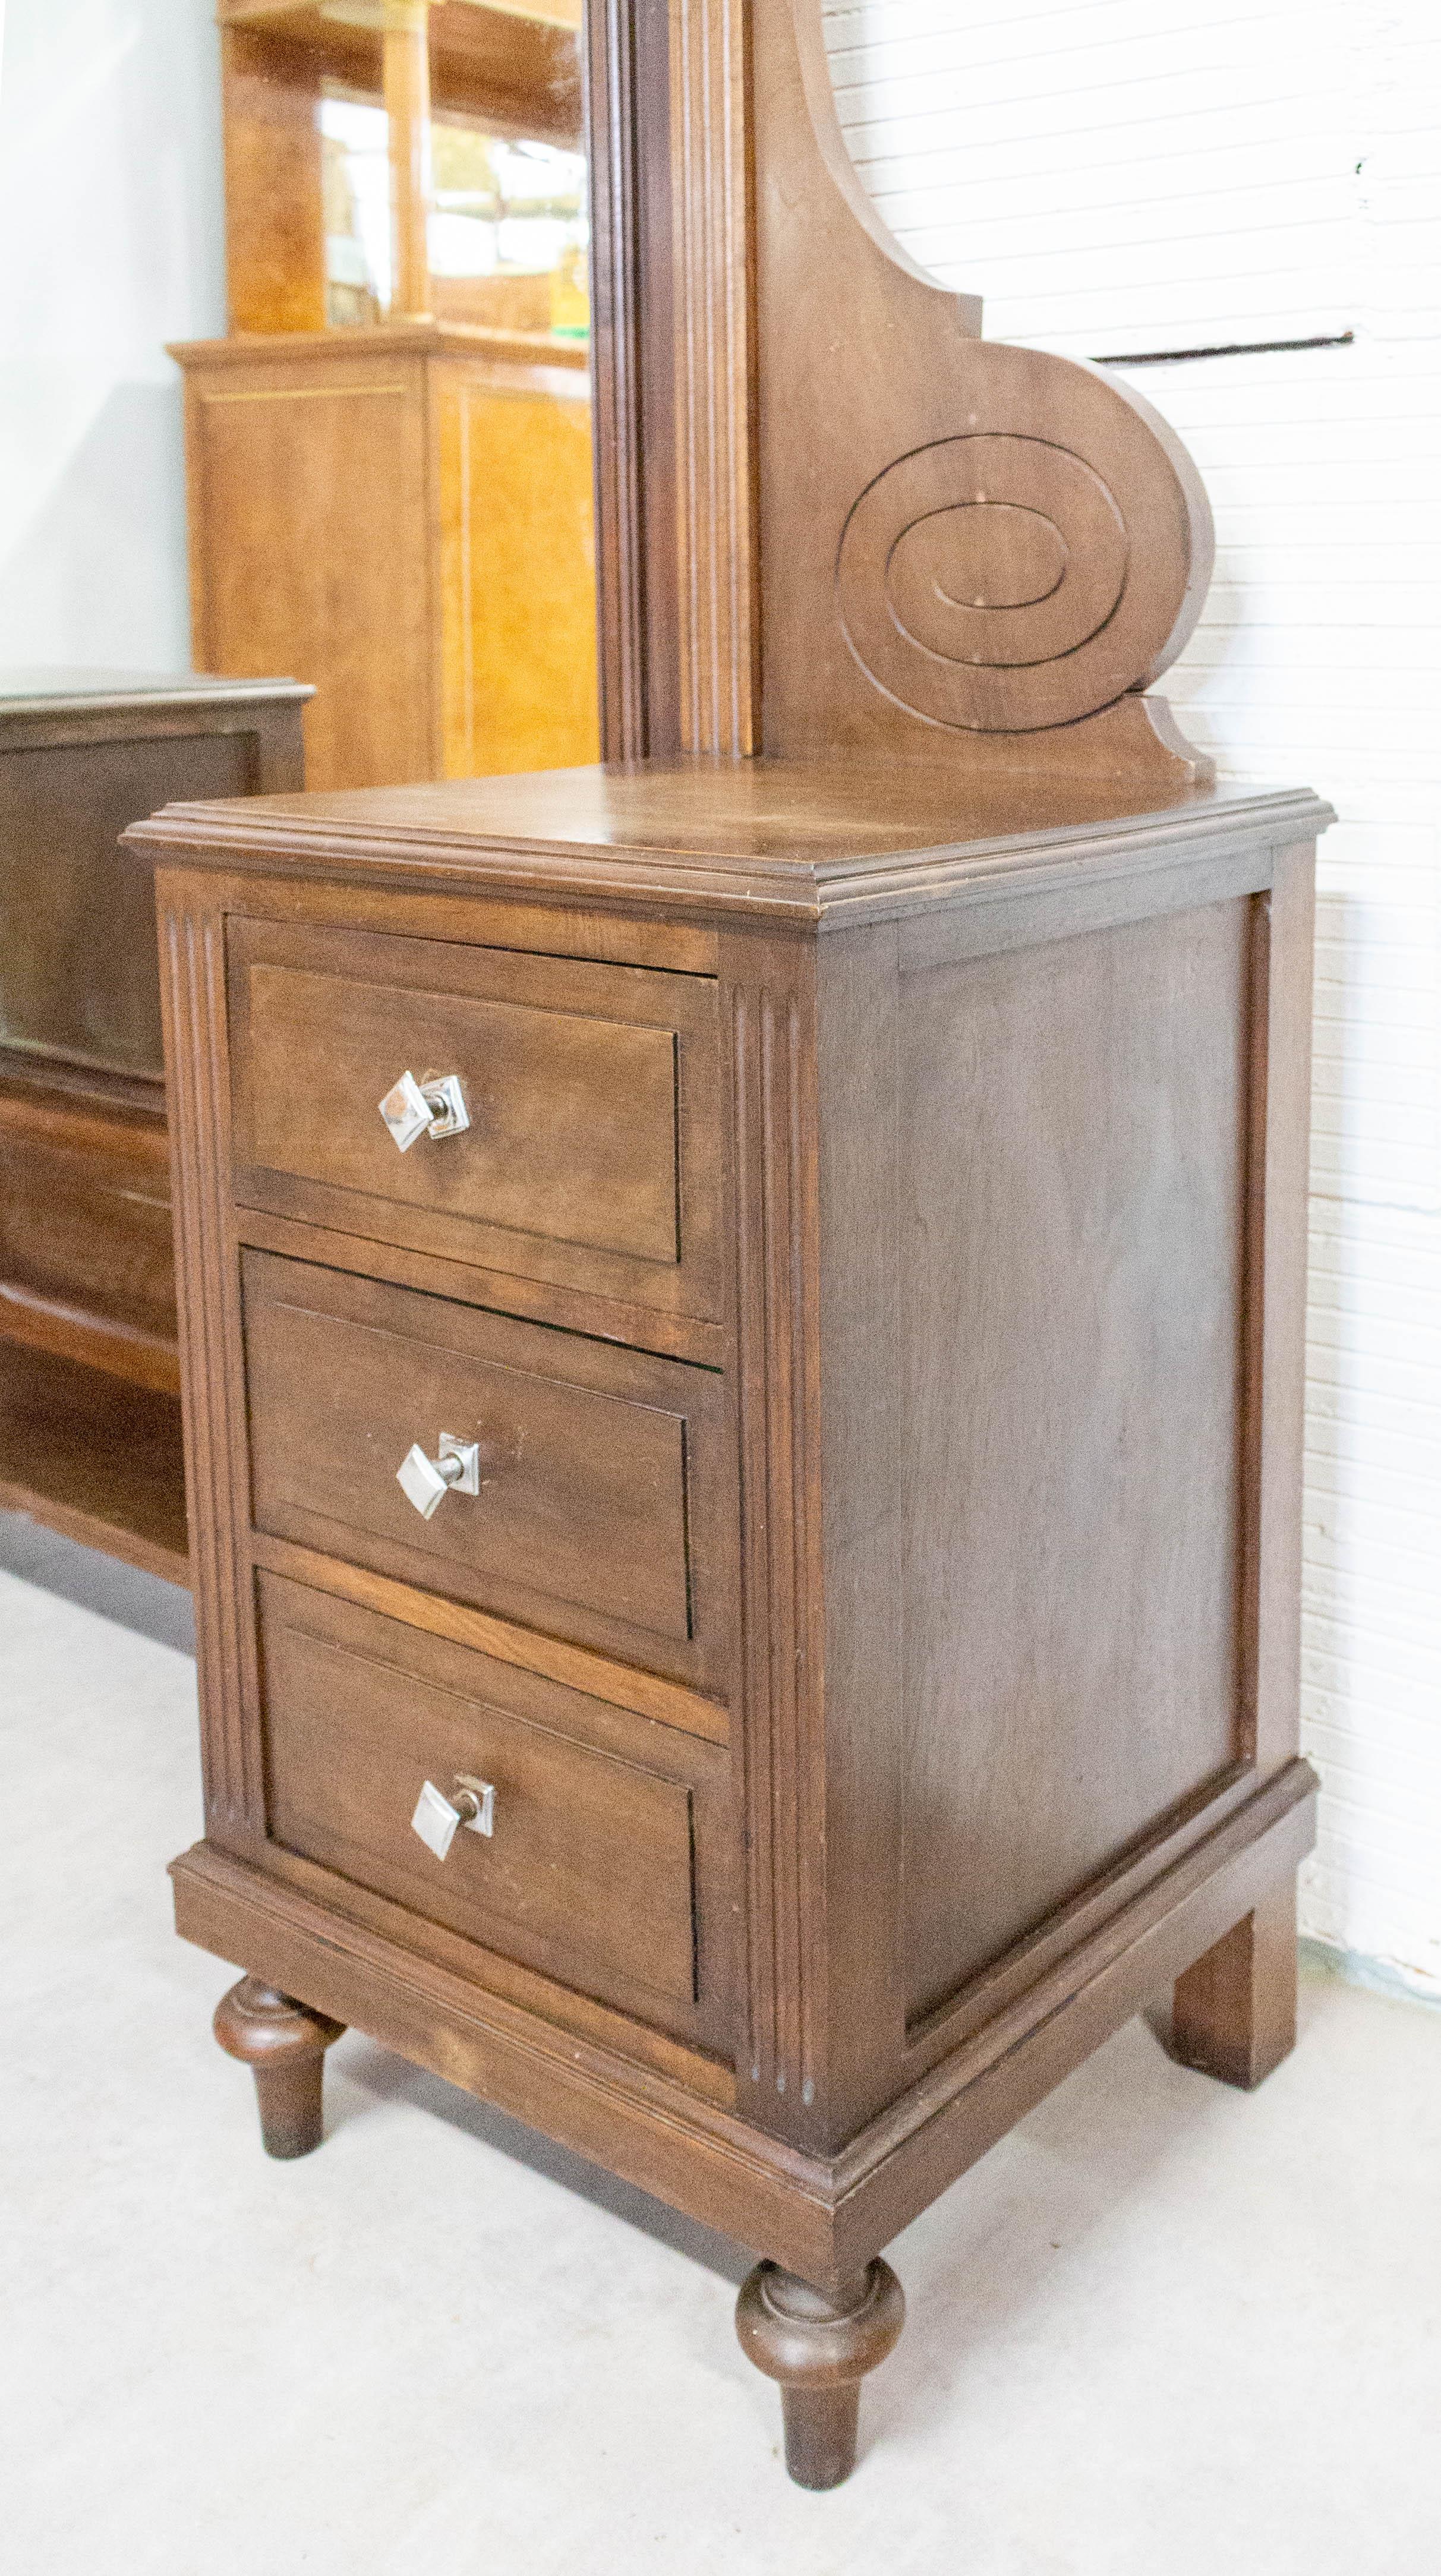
x: 987, y: 582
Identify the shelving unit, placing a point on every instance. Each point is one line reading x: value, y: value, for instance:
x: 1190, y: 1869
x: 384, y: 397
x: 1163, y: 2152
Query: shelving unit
x: 90, y: 1440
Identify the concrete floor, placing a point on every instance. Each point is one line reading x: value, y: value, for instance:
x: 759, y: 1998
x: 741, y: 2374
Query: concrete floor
x: 1162, y: 2329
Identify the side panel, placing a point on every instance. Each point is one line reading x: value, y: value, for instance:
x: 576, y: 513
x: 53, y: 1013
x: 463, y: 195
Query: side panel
x: 307, y: 498
x: 1075, y: 1124
x: 517, y: 570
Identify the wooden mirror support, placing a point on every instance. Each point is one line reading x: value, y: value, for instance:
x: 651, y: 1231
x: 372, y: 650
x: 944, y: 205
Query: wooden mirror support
x: 895, y: 537
x: 848, y: 1371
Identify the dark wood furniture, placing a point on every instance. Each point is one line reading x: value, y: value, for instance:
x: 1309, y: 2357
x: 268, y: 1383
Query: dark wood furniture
x: 744, y: 1308
x: 89, y: 1364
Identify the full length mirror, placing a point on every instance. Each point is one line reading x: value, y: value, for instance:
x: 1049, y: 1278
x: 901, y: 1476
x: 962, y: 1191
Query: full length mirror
x: 390, y: 455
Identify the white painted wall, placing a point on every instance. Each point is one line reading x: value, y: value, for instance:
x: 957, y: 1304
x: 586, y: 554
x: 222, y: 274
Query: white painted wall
x: 111, y: 243
x: 1115, y: 177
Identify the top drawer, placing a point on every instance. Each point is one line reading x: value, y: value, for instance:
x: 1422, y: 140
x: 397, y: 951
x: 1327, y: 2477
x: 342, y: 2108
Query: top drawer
x: 592, y: 1157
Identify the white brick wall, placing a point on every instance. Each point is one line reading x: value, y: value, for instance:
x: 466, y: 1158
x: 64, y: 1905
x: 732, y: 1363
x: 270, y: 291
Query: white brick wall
x: 1108, y: 183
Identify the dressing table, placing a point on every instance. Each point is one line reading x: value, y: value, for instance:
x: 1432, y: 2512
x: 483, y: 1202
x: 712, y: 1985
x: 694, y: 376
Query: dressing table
x: 741, y: 1308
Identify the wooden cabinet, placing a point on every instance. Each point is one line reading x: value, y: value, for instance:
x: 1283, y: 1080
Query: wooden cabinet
x: 87, y: 1278
x: 845, y: 1365
x: 390, y: 484
x: 885, y: 1670
x: 405, y: 517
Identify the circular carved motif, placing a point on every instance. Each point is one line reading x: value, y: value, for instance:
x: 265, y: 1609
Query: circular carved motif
x: 981, y: 583
x: 986, y: 554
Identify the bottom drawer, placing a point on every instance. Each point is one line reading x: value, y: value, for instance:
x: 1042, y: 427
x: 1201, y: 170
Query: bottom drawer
x: 603, y: 1865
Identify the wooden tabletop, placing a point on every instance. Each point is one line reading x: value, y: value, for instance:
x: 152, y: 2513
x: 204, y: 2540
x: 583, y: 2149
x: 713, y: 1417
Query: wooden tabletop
x: 819, y: 838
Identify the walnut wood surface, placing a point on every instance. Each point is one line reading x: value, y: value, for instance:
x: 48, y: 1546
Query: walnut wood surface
x: 1151, y: 1110
x: 86, y: 1263
x: 606, y: 1825
x: 592, y: 1157
x: 80, y: 758
x: 86, y: 1260
x: 809, y: 841
x: 602, y: 1512
x: 576, y: 1668
x: 1233, y: 2014
x: 978, y: 1516
x: 819, y: 2346
x: 1070, y: 1277
x: 284, y: 2046
x: 94, y: 1456
x: 822, y: 2216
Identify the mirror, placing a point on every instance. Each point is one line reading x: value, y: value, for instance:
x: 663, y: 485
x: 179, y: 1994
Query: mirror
x: 408, y: 523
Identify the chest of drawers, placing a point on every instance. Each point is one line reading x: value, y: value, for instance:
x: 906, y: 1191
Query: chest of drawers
x: 837, y: 1306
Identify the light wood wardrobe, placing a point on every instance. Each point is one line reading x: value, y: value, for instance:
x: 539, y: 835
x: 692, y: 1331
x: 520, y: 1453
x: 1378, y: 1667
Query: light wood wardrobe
x: 397, y: 509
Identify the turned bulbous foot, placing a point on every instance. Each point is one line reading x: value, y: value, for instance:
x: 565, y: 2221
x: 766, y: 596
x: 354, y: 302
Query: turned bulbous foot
x: 820, y: 2347
x: 284, y: 2044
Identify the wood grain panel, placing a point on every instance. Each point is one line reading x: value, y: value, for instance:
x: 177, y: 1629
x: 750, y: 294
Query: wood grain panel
x: 192, y: 996
x: 598, y: 1510
x: 589, y: 1873
x: 274, y: 213
x: 592, y: 1157
x: 517, y: 574
x: 100, y: 1460
x: 77, y: 918
x: 772, y: 1013
x: 85, y: 1235
x: 1075, y: 1123
x: 718, y: 627
x: 308, y: 502
x: 663, y: 1702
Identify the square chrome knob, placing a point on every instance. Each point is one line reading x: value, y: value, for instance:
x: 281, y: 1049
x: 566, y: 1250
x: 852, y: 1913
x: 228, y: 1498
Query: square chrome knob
x: 406, y: 1111
x: 435, y: 1107
x: 426, y: 1481
x: 438, y: 1819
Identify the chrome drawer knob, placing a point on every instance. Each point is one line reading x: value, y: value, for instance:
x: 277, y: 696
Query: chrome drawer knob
x: 435, y: 1107
x: 438, y: 1818
x: 426, y: 1481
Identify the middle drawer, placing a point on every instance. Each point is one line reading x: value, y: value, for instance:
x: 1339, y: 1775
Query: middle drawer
x: 601, y: 1514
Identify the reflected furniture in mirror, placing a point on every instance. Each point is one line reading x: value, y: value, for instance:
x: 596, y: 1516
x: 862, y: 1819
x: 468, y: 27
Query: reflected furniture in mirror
x: 389, y: 458
x: 746, y: 1370
x: 89, y: 1360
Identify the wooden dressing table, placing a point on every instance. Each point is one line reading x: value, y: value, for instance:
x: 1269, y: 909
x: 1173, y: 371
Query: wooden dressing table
x: 742, y: 1309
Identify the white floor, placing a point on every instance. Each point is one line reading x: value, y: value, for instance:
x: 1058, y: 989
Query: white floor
x: 1162, y: 2329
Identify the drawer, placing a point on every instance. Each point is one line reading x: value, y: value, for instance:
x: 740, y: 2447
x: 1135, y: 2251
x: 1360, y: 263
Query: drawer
x: 592, y: 1156
x: 600, y: 1514
x: 603, y: 1866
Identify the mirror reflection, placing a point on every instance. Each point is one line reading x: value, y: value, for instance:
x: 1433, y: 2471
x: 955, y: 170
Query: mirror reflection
x: 390, y: 455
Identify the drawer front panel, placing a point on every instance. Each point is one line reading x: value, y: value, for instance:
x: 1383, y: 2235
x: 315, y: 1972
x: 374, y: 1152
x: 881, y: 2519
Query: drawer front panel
x: 599, y: 1510
x: 590, y: 1873
x: 592, y: 1154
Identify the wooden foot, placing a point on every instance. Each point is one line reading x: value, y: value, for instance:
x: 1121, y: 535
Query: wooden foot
x: 820, y: 2349
x: 284, y: 2045
x: 1234, y: 2012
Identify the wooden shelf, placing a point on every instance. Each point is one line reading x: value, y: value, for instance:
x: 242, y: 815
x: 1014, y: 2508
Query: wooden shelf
x: 95, y: 1458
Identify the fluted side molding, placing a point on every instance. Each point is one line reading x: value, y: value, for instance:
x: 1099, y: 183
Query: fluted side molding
x: 192, y: 986
x: 616, y: 260
x: 712, y: 242
x: 784, y: 1788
